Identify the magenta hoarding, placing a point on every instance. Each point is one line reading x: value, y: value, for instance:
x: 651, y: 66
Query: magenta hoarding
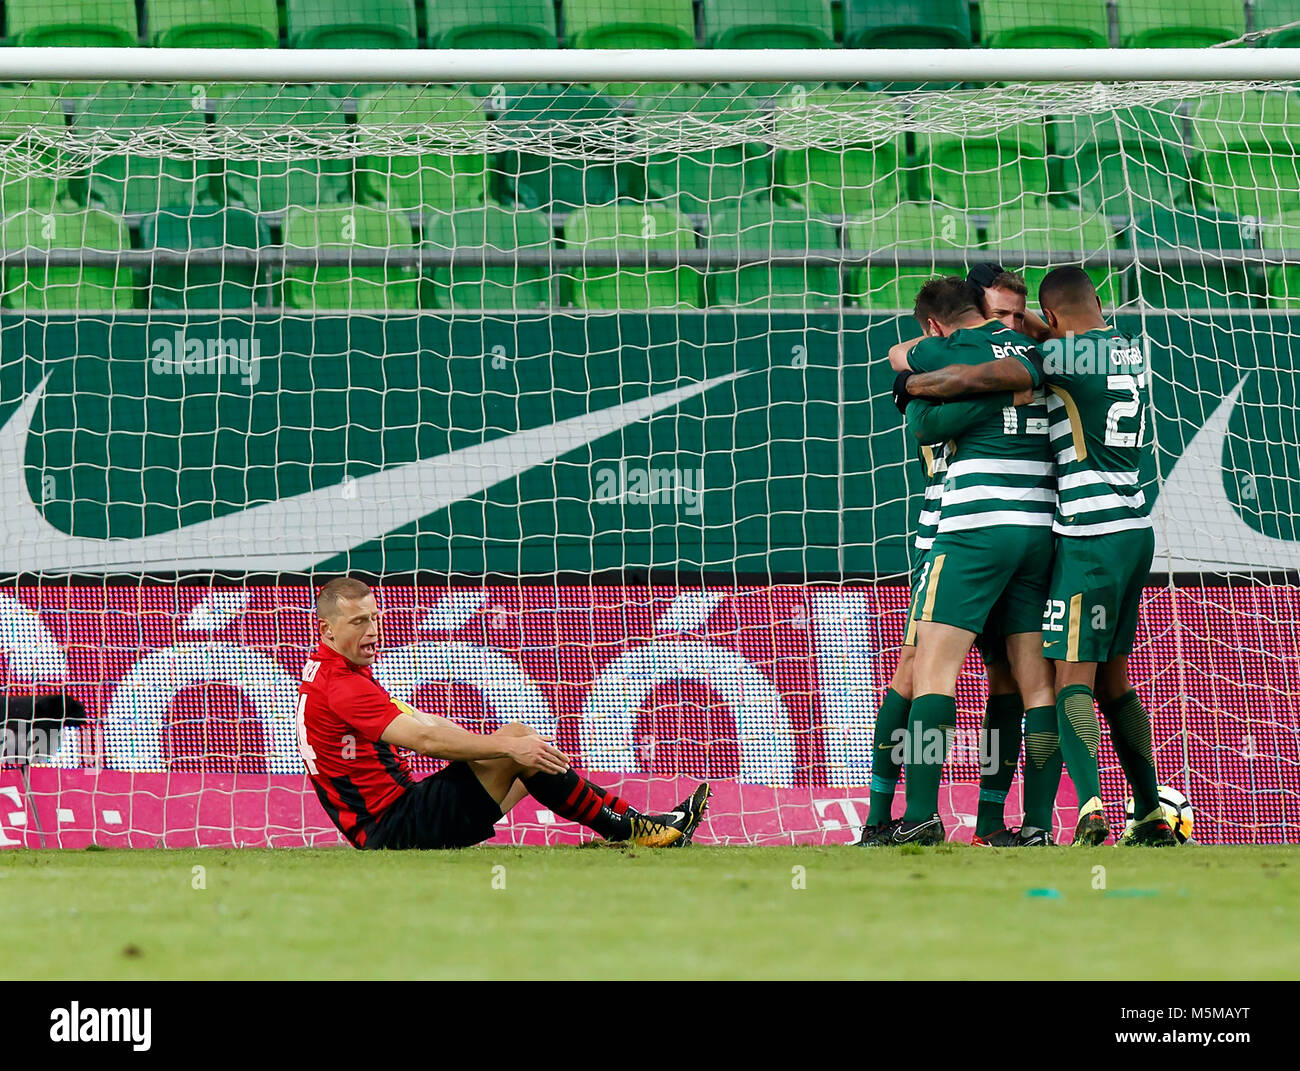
x: 770, y: 692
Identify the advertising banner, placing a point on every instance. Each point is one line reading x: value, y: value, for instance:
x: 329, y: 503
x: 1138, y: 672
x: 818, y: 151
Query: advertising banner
x: 769, y: 692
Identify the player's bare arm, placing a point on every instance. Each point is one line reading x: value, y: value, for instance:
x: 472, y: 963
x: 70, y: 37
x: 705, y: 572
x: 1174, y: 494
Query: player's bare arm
x: 899, y: 351
x: 956, y: 380
x: 440, y: 738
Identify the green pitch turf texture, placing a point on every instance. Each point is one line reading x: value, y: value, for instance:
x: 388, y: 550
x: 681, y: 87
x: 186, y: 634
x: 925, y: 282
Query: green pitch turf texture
x: 599, y: 912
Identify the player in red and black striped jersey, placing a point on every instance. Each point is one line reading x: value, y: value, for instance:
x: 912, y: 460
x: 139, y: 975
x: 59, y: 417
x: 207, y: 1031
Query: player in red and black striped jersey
x: 349, y: 728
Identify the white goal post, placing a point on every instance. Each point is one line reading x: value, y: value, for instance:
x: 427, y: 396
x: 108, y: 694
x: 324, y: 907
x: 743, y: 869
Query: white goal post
x: 651, y: 65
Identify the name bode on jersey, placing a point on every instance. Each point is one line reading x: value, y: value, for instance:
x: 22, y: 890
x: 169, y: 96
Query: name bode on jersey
x: 1001, y: 471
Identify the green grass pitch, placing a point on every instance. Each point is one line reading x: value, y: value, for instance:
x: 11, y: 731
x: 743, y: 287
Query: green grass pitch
x: 599, y: 912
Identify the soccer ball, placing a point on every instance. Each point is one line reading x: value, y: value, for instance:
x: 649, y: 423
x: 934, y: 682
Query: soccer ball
x: 1177, y: 808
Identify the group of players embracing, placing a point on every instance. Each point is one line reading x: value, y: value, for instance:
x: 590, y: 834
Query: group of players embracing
x: 1033, y: 543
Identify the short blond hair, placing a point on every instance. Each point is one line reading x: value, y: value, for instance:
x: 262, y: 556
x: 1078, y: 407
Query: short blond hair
x: 342, y: 587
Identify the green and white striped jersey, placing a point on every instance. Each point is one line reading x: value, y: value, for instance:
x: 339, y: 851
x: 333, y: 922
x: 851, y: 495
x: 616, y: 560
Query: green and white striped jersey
x: 934, y: 463
x: 1000, y: 470
x: 935, y: 425
x: 1098, y: 409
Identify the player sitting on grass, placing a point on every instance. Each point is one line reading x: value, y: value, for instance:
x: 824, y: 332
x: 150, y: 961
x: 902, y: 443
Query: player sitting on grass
x: 348, y: 727
x: 1002, y: 297
x: 992, y: 550
x: 1104, y: 538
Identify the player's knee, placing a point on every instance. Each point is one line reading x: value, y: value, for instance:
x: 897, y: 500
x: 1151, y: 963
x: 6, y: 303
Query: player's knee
x: 516, y: 728
x: 902, y: 679
x: 1111, y: 687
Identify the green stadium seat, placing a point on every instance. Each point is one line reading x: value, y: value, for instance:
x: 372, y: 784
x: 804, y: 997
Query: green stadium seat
x: 69, y: 92
x: 1057, y: 24
x: 213, y: 24
x: 349, y: 288
x: 757, y: 223
x: 630, y: 24
x: 351, y: 23
x: 704, y: 181
x: 1246, y: 159
x: 1198, y: 24
x: 470, y: 286
x: 635, y: 228
x: 1192, y: 286
x: 1126, y: 162
x: 912, y: 227
x: 203, y: 286
x: 535, y: 181
x: 1036, y: 227
x: 72, y: 23
x: 80, y: 287
x: 269, y: 185
x: 1283, y: 279
x: 1278, y: 13
x: 24, y: 108
x: 768, y: 24
x: 984, y: 172
x: 840, y: 182
x: 129, y: 183
x: 499, y: 24
x: 430, y: 180
x: 907, y: 24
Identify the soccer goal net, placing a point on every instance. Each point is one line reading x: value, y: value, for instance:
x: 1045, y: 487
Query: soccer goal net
x: 589, y: 379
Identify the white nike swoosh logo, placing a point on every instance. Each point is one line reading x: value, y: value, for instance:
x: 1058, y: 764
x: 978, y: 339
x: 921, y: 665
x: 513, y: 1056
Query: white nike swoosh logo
x: 1196, y: 526
x: 293, y: 534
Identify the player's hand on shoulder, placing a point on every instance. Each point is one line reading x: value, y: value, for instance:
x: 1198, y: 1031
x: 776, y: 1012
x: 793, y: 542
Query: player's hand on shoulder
x: 901, y: 397
x: 538, y: 753
x: 980, y: 278
x: 1023, y: 397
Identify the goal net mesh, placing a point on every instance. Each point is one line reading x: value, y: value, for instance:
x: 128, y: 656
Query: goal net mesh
x: 590, y: 381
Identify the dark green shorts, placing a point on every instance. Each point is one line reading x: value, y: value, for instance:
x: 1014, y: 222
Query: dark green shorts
x: 921, y: 562
x: 992, y: 639
x: 1092, y: 603
x: 998, y: 573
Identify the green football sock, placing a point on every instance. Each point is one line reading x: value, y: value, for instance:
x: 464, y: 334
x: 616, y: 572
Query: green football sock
x: 1130, y: 734
x: 1076, y: 721
x: 932, y: 720
x: 885, y: 753
x: 1000, y: 748
x: 1042, y: 766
